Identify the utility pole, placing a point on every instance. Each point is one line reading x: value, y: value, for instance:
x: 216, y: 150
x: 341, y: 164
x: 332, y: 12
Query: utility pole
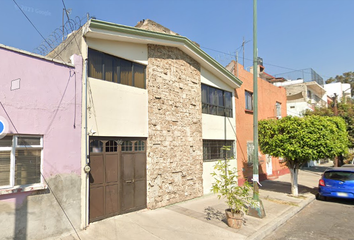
x: 258, y: 209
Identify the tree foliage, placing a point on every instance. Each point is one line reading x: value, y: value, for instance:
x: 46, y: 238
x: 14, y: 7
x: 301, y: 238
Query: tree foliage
x: 345, y: 111
x: 299, y: 140
x: 347, y: 77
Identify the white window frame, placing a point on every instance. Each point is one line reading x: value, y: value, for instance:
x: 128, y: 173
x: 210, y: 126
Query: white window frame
x: 15, y: 146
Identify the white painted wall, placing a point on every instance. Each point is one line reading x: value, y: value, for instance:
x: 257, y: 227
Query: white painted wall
x: 215, y: 127
x: 298, y: 108
x: 208, y: 168
x: 339, y: 89
x: 117, y: 109
x: 130, y: 51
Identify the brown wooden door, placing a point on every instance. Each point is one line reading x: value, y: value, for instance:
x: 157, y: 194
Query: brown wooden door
x: 117, y: 177
x: 134, y: 181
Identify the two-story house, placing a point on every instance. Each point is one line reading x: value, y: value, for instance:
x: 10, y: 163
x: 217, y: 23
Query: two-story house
x: 156, y: 112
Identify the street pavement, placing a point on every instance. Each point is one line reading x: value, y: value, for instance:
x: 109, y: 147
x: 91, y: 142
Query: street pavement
x: 203, y: 218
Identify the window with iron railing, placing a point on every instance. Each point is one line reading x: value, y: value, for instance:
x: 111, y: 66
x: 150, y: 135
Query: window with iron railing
x: 212, y: 149
x: 216, y: 101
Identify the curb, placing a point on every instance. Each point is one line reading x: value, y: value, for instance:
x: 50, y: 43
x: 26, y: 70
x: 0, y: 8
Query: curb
x: 272, y: 226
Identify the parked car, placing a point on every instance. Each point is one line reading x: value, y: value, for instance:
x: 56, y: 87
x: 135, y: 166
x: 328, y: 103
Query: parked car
x: 336, y: 182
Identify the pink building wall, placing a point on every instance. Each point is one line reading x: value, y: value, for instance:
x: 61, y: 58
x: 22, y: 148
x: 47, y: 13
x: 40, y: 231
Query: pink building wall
x: 47, y: 102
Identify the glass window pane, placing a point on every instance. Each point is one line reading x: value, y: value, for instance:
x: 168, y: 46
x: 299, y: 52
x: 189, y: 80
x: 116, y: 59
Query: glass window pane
x: 95, y: 64
x: 96, y: 146
x: 249, y: 100
x: 221, y: 111
x: 111, y: 146
x: 29, y: 141
x: 212, y: 149
x: 139, y: 76
x: 219, y: 98
x: 6, y: 142
x: 205, y: 108
x: 27, y: 166
x: 139, y: 146
x: 126, y: 76
x: 204, y: 93
x: 5, y: 168
x: 212, y: 96
x: 108, y: 67
x: 127, y: 146
x: 228, y: 99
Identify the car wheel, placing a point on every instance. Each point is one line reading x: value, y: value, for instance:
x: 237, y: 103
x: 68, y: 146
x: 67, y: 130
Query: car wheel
x: 320, y: 197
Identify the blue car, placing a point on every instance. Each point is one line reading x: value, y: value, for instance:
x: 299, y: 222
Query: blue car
x: 337, y: 182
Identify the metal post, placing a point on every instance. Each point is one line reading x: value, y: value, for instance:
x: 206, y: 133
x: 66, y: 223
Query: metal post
x: 255, y: 105
x: 258, y: 210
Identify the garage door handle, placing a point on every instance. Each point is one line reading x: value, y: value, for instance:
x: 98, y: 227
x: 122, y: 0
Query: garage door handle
x: 130, y: 181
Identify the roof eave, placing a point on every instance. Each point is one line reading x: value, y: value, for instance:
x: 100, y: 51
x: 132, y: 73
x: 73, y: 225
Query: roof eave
x: 146, y: 36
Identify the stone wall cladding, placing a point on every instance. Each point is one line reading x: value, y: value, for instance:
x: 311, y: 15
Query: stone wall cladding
x: 175, y: 155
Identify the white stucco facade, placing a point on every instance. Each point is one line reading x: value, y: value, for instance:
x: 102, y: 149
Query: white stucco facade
x: 217, y: 127
x: 338, y: 88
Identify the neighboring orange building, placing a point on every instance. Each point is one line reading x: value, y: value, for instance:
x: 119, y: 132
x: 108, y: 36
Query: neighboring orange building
x: 271, y: 104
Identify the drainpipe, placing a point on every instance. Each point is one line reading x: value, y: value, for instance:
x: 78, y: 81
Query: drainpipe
x: 86, y: 153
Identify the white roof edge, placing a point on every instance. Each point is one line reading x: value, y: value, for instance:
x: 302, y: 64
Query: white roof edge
x: 35, y: 55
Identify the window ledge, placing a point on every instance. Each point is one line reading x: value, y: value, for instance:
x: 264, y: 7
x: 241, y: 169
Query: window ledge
x: 249, y: 111
x: 20, y: 189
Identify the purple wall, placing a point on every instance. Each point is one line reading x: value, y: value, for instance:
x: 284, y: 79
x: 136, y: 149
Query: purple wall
x: 48, y: 103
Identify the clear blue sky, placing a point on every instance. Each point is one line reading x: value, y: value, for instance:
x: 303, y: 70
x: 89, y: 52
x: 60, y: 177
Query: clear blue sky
x: 292, y: 34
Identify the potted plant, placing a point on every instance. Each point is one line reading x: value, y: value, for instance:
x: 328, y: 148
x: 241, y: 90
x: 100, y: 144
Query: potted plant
x: 238, y: 198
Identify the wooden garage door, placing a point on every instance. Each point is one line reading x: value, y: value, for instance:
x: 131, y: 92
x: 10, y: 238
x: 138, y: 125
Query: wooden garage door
x: 117, y: 177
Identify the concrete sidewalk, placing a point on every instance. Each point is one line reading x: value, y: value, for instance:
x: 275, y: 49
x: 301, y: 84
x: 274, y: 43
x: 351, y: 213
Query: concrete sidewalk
x: 203, y: 218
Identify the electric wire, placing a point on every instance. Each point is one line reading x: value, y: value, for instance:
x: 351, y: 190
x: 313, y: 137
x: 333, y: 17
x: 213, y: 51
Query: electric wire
x: 67, y: 15
x: 267, y: 64
x: 34, y: 26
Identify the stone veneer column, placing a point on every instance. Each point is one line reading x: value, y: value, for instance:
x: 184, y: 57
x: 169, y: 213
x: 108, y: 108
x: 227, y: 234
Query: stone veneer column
x: 174, y: 146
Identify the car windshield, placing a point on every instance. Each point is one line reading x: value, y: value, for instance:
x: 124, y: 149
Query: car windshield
x: 338, y: 175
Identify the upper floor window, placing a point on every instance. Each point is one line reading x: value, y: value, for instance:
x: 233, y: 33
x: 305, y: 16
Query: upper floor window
x: 216, y: 101
x: 20, y: 160
x: 114, y: 69
x: 249, y: 100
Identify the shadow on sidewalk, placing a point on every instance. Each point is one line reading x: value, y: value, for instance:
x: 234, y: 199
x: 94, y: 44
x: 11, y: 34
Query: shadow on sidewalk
x: 285, y: 187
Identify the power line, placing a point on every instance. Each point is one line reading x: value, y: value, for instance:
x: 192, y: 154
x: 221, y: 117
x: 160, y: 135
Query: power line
x: 67, y: 15
x: 34, y: 26
x: 268, y: 64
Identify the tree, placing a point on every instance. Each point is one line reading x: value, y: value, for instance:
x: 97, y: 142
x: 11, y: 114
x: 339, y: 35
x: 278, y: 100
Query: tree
x: 299, y: 140
x: 344, y: 110
x: 347, y: 77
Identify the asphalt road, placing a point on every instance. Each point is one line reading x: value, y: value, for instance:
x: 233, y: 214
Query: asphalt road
x: 332, y: 219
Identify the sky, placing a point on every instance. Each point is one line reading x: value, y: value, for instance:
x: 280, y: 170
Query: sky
x: 292, y: 35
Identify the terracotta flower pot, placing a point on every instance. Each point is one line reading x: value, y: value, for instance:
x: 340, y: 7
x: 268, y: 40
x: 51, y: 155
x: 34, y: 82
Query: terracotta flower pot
x: 234, y: 220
